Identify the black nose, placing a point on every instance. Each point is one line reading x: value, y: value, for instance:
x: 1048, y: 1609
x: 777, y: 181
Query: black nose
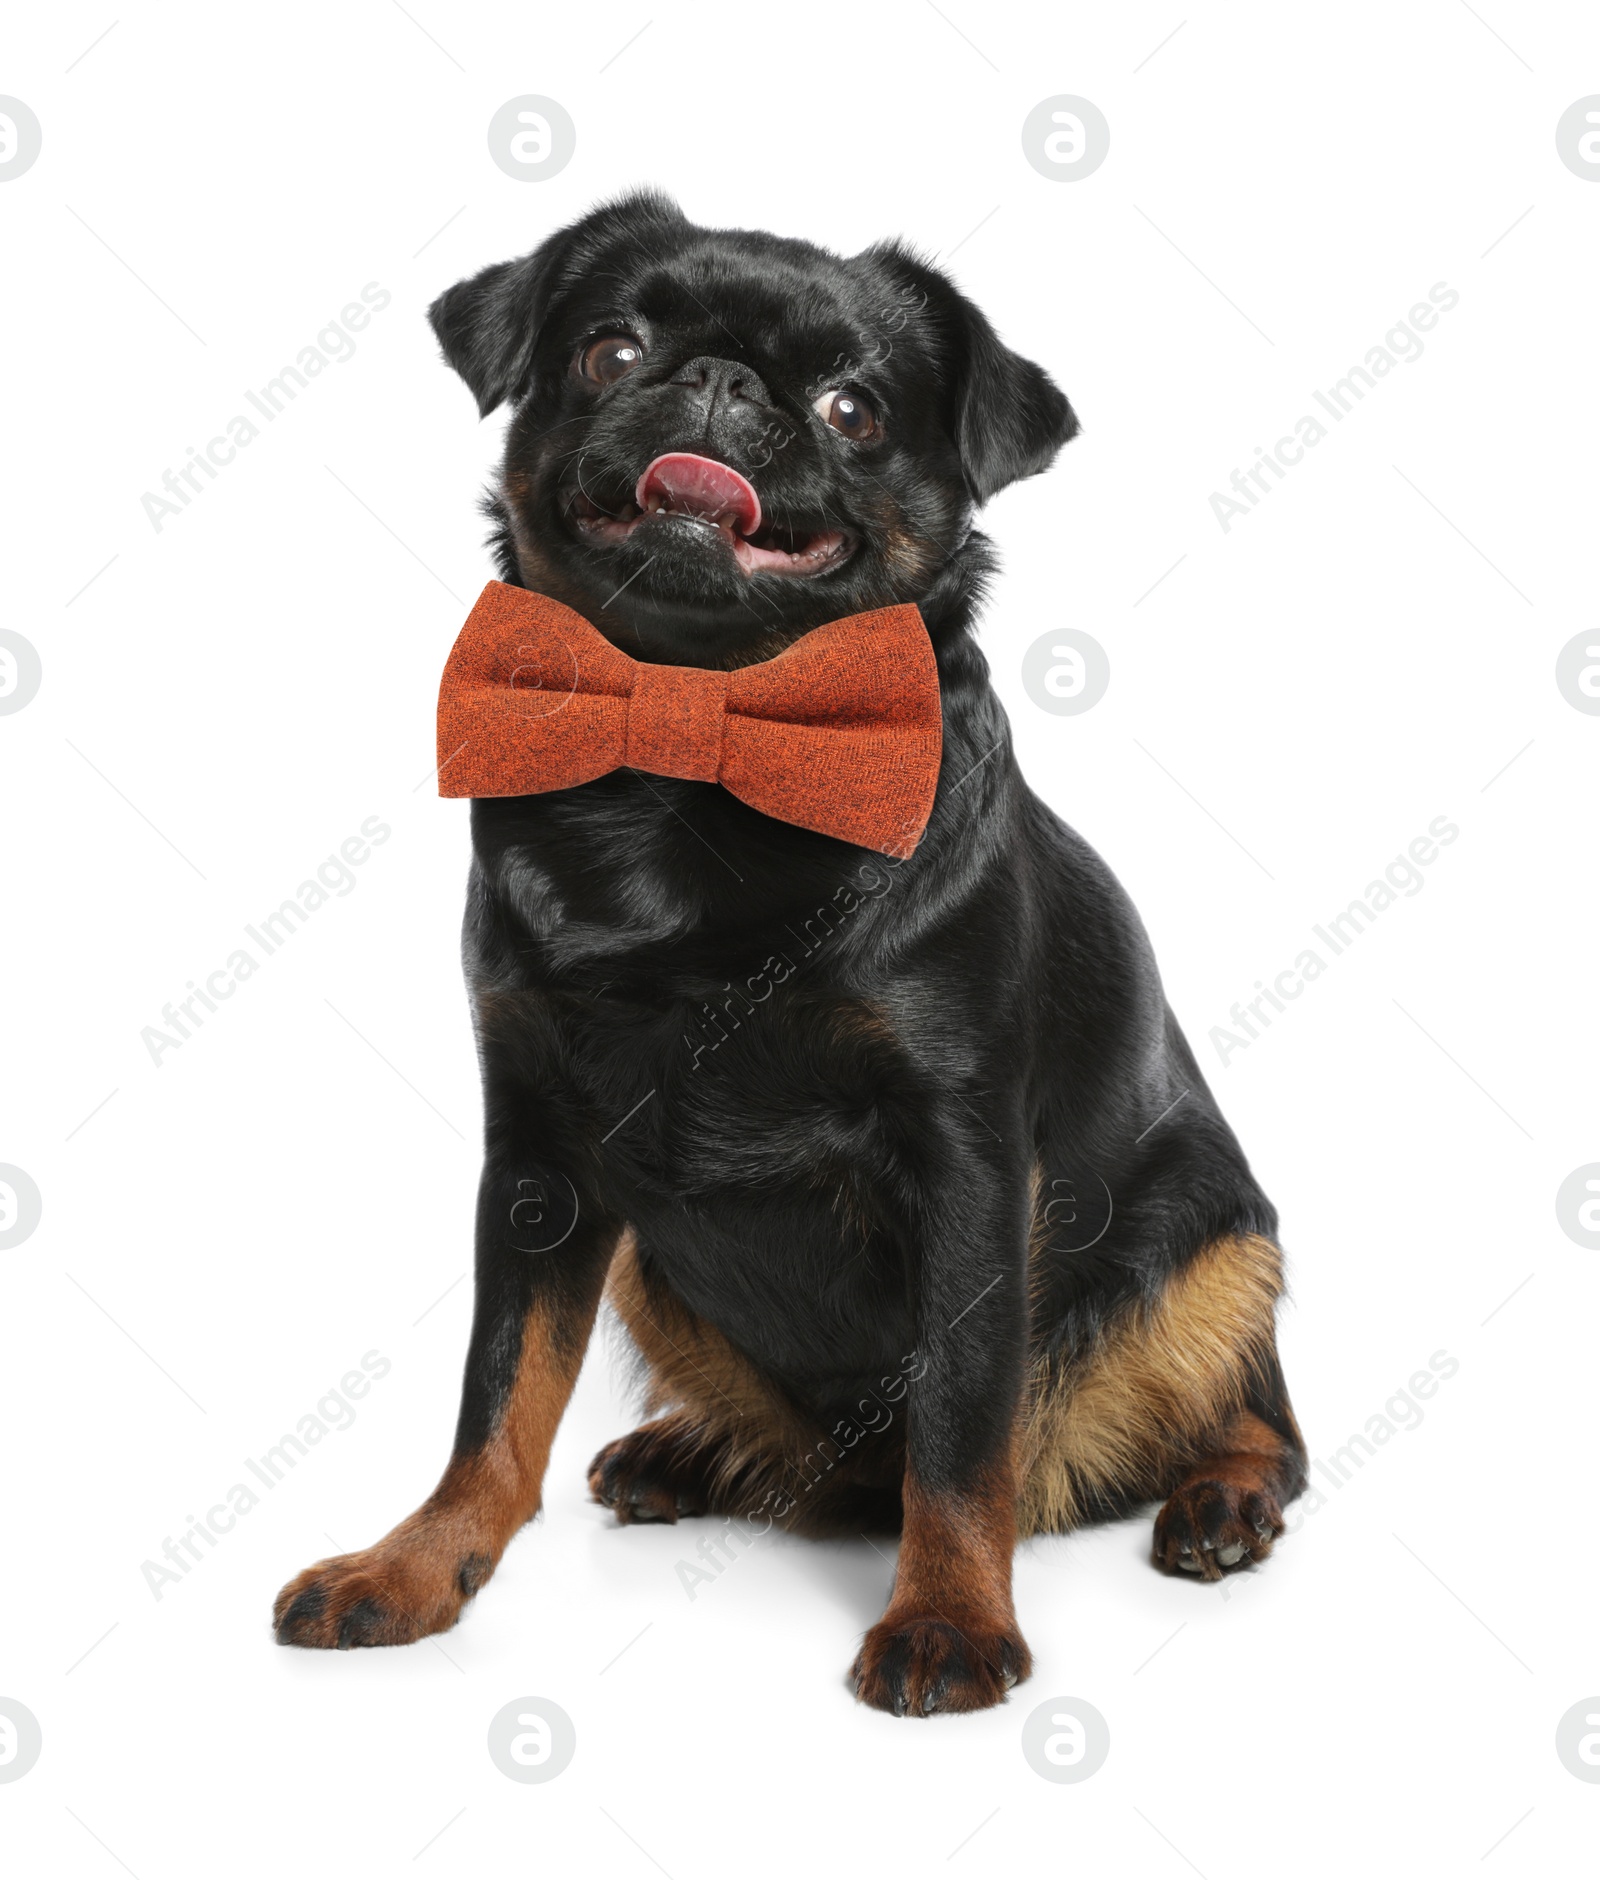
x: 720, y: 381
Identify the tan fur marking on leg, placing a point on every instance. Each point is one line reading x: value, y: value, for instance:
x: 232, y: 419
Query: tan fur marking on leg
x: 955, y: 1555
x: 1154, y: 1391
x: 416, y: 1579
x: 500, y: 1488
x: 949, y: 1639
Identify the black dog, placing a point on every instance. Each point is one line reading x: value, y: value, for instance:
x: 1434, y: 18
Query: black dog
x: 907, y: 1185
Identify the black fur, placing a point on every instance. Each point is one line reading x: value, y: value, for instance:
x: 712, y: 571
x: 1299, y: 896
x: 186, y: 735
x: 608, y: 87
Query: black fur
x: 817, y: 1083
x: 1019, y: 985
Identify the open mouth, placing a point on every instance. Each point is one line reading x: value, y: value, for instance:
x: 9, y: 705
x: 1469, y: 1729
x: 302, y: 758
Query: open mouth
x: 682, y: 488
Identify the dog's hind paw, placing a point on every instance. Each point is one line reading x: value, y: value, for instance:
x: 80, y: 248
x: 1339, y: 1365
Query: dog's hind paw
x: 1212, y: 1527
x: 655, y: 1473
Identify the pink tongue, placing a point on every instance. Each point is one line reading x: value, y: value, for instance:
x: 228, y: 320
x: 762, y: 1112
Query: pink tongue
x: 700, y: 486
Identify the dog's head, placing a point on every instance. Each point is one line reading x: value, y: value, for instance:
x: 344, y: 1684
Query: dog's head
x: 721, y: 436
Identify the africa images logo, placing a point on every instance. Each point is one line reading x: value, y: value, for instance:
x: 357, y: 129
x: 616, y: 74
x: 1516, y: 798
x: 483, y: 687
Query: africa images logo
x: 1402, y: 345
x: 1402, y: 878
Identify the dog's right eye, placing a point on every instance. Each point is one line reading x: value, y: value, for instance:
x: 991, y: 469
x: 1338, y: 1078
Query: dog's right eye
x: 604, y: 361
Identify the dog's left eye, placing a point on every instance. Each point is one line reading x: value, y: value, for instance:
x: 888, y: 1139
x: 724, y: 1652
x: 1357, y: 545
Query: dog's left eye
x: 604, y: 361
x: 847, y: 412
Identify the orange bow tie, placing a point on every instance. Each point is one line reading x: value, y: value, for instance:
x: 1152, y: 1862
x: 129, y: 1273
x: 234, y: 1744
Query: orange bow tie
x: 840, y: 733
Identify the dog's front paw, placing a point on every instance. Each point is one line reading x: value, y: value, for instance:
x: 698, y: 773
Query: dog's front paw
x: 1215, y: 1527
x: 924, y: 1666
x: 391, y: 1594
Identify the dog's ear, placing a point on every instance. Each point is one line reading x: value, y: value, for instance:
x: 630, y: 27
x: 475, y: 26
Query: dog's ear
x: 488, y: 327
x: 1007, y: 416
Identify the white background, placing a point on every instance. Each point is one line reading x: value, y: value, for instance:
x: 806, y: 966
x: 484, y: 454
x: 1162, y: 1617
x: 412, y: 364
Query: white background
x: 229, y: 698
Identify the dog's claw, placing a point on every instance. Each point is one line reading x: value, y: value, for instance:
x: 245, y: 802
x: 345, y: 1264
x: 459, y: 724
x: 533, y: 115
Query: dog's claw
x: 1213, y: 1528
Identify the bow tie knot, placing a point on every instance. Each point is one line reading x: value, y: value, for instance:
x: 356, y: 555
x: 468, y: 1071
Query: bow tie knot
x: 841, y: 733
x: 676, y: 716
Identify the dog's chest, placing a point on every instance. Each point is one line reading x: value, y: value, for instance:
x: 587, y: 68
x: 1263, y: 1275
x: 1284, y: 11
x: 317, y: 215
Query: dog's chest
x: 768, y: 1084
x: 719, y: 1059
x: 757, y: 1147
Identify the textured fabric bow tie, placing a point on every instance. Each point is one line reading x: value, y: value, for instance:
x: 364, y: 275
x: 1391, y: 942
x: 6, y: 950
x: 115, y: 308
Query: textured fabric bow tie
x: 841, y: 733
